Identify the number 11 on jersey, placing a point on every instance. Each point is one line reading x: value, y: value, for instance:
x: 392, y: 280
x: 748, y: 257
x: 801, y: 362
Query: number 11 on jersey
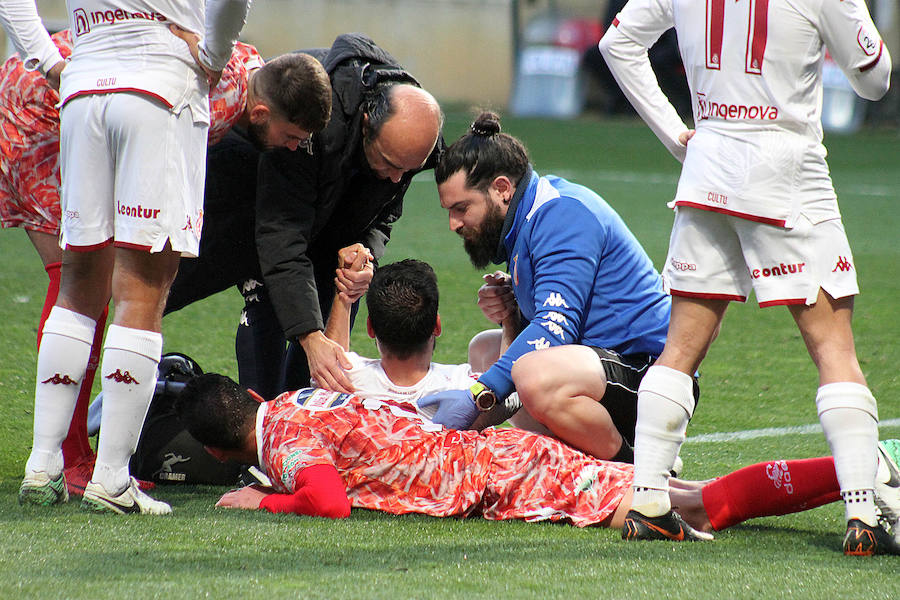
x: 757, y: 30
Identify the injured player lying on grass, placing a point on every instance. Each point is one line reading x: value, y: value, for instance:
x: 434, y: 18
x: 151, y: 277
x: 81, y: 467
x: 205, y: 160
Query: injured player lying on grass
x: 324, y: 452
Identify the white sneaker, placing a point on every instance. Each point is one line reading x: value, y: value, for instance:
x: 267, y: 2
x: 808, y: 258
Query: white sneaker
x: 131, y: 501
x: 887, y: 485
x: 37, y: 488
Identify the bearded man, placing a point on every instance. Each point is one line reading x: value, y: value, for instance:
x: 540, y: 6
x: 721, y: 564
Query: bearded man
x: 592, y: 308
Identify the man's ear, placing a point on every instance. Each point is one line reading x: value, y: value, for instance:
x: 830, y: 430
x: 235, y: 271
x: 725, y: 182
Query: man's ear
x: 437, y: 327
x: 369, y: 329
x: 504, y: 188
x: 260, y: 114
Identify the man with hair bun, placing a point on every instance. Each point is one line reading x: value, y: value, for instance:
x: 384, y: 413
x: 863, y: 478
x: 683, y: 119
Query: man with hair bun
x: 592, y: 308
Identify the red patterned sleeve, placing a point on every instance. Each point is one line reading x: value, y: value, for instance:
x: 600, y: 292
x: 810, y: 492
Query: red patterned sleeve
x: 227, y: 100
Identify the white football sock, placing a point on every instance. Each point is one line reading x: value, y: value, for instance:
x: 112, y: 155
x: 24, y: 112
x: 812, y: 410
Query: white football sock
x: 665, y: 405
x: 130, y: 359
x: 62, y: 361
x: 849, y: 417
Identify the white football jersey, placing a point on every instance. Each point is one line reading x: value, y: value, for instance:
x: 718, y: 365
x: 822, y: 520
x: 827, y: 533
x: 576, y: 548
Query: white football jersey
x: 754, y: 68
x: 126, y: 45
x: 370, y: 381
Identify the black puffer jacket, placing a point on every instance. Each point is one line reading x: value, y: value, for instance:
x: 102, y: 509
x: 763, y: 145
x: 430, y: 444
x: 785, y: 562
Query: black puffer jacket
x: 311, y: 205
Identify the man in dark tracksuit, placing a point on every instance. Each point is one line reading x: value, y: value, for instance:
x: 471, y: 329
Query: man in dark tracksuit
x: 347, y: 189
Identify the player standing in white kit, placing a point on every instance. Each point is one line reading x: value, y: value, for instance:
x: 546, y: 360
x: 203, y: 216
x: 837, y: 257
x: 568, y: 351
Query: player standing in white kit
x: 755, y: 207
x: 134, y: 119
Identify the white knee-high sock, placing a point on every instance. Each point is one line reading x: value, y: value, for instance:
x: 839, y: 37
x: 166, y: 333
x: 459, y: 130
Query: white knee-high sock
x: 130, y: 359
x: 849, y: 417
x: 62, y: 361
x: 665, y: 405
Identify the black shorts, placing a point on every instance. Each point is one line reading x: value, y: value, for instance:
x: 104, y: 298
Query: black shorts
x: 623, y: 376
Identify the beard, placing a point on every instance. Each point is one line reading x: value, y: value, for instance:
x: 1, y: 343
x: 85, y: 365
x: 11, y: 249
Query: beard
x: 258, y: 134
x: 481, y: 243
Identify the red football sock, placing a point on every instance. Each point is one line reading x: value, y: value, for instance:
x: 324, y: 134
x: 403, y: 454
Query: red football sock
x: 50, y: 299
x: 772, y: 488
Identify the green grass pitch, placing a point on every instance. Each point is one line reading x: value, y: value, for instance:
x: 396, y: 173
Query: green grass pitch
x: 757, y: 376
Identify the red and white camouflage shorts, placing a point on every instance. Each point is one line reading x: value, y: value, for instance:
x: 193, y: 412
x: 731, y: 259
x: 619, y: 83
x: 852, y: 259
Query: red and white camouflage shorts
x: 537, y: 478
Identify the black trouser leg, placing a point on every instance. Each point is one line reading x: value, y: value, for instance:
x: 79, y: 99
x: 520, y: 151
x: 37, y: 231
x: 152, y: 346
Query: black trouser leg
x: 259, y: 342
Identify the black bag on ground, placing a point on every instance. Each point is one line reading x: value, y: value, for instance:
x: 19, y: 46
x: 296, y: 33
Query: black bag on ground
x: 166, y: 453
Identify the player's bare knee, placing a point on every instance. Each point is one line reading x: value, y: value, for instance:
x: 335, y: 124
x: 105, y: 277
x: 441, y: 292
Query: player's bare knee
x: 609, y: 444
x: 520, y: 368
x: 540, y: 407
x: 532, y: 377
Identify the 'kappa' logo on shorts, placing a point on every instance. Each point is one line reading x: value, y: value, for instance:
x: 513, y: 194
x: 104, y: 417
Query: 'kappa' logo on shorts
x: 682, y: 265
x: 842, y: 265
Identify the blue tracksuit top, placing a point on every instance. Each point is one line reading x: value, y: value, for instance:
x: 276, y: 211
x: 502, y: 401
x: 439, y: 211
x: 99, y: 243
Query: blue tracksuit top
x: 579, y: 277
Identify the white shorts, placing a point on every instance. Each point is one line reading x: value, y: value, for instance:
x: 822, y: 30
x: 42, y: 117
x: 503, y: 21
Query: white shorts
x: 132, y: 172
x: 717, y: 256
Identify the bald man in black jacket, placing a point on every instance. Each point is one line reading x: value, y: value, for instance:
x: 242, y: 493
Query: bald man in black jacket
x: 347, y: 188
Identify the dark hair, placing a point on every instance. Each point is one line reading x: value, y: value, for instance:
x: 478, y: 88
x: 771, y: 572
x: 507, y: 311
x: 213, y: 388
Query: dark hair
x: 484, y: 154
x: 403, y: 306
x: 378, y: 105
x: 216, y: 411
x: 295, y: 87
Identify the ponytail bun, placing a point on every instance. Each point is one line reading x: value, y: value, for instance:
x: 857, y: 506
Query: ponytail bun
x: 486, y: 125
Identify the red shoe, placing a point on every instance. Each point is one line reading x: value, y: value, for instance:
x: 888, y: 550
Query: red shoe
x: 144, y: 485
x: 79, y: 475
